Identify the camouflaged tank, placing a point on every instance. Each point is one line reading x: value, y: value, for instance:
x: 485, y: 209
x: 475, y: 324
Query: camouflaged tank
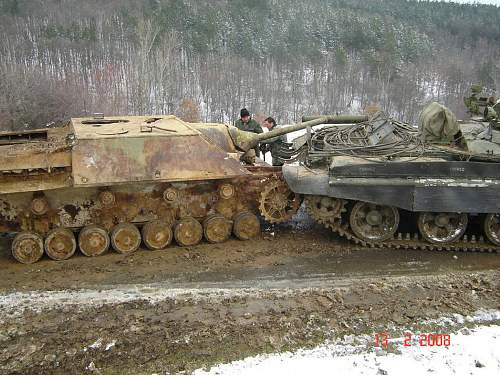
x: 116, y: 182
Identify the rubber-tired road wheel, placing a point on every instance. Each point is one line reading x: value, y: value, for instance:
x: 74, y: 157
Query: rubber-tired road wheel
x: 93, y: 241
x: 60, y: 244
x: 27, y: 247
x: 125, y: 238
x: 157, y: 234
x: 492, y: 228
x: 373, y: 222
x: 246, y: 225
x: 188, y: 231
x: 217, y: 228
x: 442, y: 227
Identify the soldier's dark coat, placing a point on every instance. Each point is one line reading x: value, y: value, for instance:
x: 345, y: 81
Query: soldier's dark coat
x: 251, y: 126
x: 273, y: 145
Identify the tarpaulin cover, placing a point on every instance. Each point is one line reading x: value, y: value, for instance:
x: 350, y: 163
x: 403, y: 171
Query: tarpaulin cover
x: 438, y: 124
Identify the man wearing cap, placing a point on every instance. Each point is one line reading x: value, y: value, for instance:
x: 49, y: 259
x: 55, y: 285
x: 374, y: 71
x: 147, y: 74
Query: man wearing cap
x: 248, y: 124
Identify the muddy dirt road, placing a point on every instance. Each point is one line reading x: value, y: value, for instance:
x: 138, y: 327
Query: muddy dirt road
x: 181, y: 309
x: 282, y: 257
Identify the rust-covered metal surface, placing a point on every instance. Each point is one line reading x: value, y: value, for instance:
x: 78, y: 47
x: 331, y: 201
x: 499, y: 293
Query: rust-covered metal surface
x: 34, y: 160
x: 24, y: 181
x: 166, y: 149
x: 135, y: 203
x: 96, y: 182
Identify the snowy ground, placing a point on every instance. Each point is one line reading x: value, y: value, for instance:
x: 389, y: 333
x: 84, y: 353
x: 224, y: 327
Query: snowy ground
x: 473, y: 350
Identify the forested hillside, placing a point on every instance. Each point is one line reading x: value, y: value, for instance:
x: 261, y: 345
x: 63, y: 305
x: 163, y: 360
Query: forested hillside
x: 209, y: 58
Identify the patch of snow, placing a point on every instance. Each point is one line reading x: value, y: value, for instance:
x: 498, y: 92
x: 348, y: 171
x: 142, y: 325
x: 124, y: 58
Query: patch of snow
x: 91, y: 367
x: 481, y: 316
x: 110, y: 345
x: 97, y: 344
x: 477, y: 352
x: 16, y: 303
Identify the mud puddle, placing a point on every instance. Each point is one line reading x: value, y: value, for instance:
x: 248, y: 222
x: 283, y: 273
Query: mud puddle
x: 331, y: 269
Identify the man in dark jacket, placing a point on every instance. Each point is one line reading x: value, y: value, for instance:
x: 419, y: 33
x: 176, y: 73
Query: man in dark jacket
x: 248, y: 124
x: 273, y: 145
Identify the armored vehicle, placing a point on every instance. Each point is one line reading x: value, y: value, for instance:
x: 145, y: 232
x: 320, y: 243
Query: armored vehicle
x: 120, y: 180
x: 105, y: 182
x: 479, y: 100
x: 384, y: 183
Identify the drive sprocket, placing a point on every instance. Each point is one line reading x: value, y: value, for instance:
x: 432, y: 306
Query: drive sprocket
x: 278, y: 203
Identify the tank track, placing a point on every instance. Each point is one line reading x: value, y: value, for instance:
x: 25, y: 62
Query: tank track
x: 97, y: 220
x: 338, y: 225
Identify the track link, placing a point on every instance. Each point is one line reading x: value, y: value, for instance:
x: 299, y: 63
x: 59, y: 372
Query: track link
x: 400, y: 240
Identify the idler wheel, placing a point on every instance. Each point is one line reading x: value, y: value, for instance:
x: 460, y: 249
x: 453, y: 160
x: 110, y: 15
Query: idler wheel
x: 60, y: 244
x: 157, y: 234
x: 217, y: 228
x: 27, y: 247
x: 442, y: 227
x: 492, y: 228
x: 93, y: 241
x: 246, y: 225
x: 325, y: 210
x: 125, y: 238
x: 373, y: 222
x: 188, y: 231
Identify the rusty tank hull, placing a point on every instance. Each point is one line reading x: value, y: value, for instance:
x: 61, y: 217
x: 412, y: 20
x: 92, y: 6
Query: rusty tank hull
x: 116, y: 182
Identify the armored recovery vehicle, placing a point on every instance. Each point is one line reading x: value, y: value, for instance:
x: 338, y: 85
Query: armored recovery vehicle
x: 117, y: 181
x: 382, y: 183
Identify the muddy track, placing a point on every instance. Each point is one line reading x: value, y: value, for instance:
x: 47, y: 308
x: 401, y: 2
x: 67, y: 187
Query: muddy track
x: 336, y: 220
x: 405, y: 241
x: 303, y: 255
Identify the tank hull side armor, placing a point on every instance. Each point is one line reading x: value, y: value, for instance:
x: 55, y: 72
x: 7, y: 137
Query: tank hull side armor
x: 420, y: 194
